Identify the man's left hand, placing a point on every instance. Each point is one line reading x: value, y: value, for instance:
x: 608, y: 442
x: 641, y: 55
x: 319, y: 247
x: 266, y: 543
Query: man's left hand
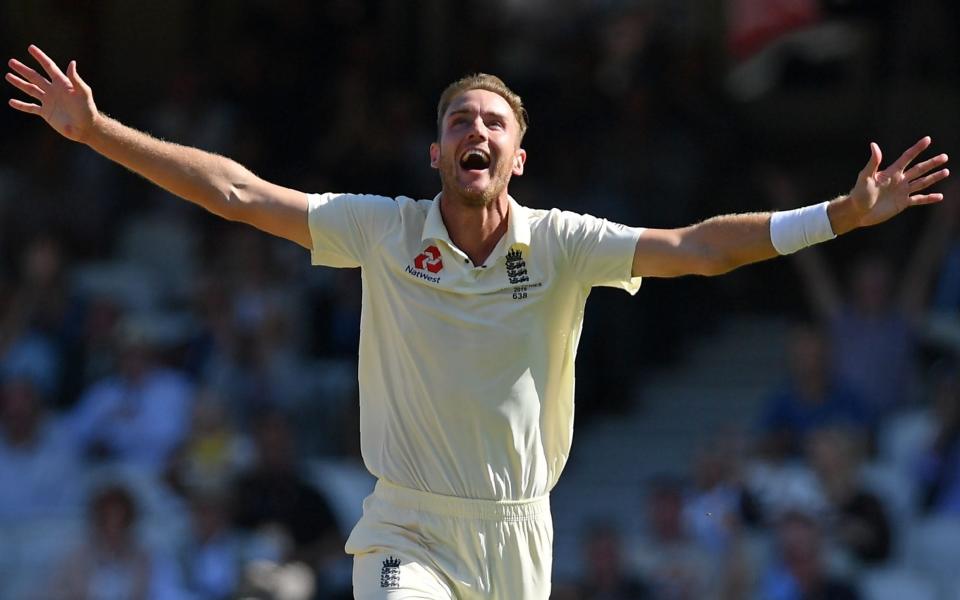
x: 880, y: 195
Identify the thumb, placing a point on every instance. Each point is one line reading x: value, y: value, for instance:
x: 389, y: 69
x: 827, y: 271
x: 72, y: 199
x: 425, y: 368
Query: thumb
x: 874, y: 162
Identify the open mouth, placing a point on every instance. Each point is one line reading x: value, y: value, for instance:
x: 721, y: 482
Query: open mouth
x: 475, y: 160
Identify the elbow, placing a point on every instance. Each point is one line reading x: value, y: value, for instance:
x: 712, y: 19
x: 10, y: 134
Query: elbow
x: 231, y: 204
x: 236, y: 201
x: 234, y: 190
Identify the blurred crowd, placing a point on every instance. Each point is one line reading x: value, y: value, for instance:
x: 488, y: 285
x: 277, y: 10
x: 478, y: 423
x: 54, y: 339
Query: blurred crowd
x: 829, y: 493
x: 178, y: 394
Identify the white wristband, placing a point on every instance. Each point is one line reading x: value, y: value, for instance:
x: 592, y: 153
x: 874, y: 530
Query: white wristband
x: 792, y: 230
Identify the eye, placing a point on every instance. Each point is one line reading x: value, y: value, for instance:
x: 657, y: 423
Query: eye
x: 495, y: 125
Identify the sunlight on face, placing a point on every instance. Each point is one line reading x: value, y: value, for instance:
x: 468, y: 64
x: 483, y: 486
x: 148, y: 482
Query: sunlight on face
x: 478, y: 151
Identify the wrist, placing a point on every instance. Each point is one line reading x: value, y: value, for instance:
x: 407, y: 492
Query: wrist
x: 844, y: 215
x: 792, y: 230
x: 95, y: 130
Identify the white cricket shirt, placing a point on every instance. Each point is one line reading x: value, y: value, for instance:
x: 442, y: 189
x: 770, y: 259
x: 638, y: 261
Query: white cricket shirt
x: 466, y: 372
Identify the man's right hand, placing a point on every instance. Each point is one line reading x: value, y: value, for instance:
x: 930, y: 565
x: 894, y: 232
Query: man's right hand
x: 216, y: 183
x: 65, y: 100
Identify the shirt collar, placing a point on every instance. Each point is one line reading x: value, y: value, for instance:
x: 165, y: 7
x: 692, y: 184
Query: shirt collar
x: 518, y: 226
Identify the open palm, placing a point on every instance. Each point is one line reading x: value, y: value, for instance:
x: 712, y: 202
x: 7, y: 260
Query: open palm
x: 880, y: 195
x: 65, y: 100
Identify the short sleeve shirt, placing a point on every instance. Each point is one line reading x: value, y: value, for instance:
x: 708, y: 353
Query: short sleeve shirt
x: 466, y: 371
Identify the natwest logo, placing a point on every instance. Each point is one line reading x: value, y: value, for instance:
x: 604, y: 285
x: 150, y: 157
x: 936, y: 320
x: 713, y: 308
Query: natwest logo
x: 429, y: 259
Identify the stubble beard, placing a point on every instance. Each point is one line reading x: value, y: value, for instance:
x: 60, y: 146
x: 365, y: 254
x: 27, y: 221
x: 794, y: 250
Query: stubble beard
x: 469, y: 195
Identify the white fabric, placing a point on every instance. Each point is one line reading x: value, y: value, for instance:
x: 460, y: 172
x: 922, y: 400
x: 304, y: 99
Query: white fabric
x: 792, y: 230
x: 412, y: 544
x: 466, y: 377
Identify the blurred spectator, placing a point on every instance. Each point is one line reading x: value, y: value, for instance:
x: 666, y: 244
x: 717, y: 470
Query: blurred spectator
x: 141, y: 414
x: 872, y: 324
x: 871, y: 331
x: 720, y: 505
x: 630, y: 75
x: 273, y: 493
x: 254, y: 356
x: 721, y: 511
x: 37, y: 464
x: 291, y: 581
x: 213, y: 333
x: 667, y: 557
x: 858, y: 520
x: 606, y: 577
x: 772, y: 40
x: 943, y: 321
x: 798, y: 569
x: 101, y: 322
x: 214, y: 451
x: 755, y: 23
x: 256, y: 376
x: 112, y: 564
x: 938, y: 468
x: 40, y: 325
x: 209, y: 564
x: 780, y: 486
x: 812, y: 397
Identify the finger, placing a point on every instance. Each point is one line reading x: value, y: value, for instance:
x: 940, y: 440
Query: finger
x: 925, y: 182
x: 33, y: 109
x: 74, y: 77
x: 918, y: 199
x: 926, y: 166
x: 25, y: 86
x: 911, y: 153
x: 29, y: 74
x: 53, y: 71
x: 874, y: 161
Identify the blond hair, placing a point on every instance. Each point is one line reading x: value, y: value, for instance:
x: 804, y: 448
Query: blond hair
x: 482, y: 81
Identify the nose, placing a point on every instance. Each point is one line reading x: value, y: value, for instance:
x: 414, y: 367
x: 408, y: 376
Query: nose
x: 478, y: 130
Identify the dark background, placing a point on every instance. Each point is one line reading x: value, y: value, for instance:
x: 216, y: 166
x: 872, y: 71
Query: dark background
x: 650, y: 113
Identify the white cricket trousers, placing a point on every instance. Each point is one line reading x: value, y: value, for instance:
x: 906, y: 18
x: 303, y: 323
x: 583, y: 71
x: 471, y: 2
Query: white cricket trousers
x: 413, y: 544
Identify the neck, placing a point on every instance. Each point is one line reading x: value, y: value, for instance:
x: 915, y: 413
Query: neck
x: 475, y: 229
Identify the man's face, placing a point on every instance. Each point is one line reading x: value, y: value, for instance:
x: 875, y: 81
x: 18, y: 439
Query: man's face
x: 479, y: 147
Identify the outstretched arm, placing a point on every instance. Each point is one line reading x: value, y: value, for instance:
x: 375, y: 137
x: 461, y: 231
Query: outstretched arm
x: 721, y: 244
x: 218, y: 184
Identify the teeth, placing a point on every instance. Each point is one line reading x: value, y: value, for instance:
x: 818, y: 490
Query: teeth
x: 474, y: 154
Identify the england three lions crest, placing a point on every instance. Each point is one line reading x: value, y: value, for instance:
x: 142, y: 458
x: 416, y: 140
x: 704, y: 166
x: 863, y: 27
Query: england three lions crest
x: 390, y: 573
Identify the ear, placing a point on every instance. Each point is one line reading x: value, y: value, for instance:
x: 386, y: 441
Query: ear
x: 435, y: 155
x: 519, y: 159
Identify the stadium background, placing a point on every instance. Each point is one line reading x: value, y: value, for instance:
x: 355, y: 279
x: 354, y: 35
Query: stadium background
x: 650, y: 113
